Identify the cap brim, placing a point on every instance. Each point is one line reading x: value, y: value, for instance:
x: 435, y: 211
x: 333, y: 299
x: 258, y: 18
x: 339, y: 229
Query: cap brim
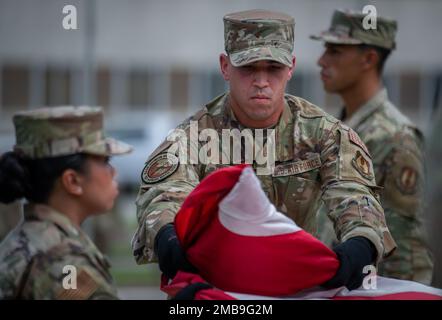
x: 108, y: 147
x: 242, y: 58
x: 331, y: 37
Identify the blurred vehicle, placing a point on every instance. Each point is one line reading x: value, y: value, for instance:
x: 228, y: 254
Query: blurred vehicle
x: 144, y: 131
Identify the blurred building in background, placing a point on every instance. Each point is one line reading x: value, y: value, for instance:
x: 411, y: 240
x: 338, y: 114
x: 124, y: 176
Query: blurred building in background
x: 151, y: 63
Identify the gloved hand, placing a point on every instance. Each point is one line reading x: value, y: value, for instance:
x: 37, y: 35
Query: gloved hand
x: 171, y: 256
x: 353, y: 254
x: 189, y: 292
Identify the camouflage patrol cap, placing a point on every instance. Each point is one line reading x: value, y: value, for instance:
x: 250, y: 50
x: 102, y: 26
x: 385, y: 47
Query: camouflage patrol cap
x: 347, y: 28
x: 256, y: 35
x: 59, y: 131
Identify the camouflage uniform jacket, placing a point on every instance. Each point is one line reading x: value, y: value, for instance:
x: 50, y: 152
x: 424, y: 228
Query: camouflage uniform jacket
x: 317, y: 160
x: 396, y: 146
x: 33, y: 255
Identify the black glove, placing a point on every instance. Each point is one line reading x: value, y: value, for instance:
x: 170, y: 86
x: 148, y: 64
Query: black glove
x: 171, y: 256
x: 189, y: 292
x: 353, y: 254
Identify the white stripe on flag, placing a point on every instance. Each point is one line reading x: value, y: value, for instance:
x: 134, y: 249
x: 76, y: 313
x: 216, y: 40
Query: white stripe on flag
x: 385, y: 286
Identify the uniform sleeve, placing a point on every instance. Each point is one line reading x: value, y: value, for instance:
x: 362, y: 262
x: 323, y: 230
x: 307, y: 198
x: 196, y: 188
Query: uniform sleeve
x: 402, y: 175
x: 349, y: 189
x: 12, y: 267
x: 166, y: 180
x: 66, y: 274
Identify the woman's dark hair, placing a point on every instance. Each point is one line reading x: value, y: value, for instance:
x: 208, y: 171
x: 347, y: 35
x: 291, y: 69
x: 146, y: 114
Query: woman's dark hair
x: 33, y: 179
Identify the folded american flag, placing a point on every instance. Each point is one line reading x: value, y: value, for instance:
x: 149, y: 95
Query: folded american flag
x: 246, y: 249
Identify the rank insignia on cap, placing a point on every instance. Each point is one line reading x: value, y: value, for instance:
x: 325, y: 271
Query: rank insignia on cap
x: 407, y: 181
x: 159, y: 168
x: 353, y: 136
x: 362, y: 165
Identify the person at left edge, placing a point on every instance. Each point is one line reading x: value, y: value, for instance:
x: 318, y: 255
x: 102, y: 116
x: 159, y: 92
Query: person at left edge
x: 60, y: 165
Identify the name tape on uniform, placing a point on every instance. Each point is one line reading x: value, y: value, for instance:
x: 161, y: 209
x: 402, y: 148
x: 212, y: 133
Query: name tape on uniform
x: 297, y: 167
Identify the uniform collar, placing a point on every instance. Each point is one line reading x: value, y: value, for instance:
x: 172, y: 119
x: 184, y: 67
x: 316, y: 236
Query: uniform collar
x: 366, y: 109
x: 284, y: 135
x: 45, y: 213
x: 283, y: 130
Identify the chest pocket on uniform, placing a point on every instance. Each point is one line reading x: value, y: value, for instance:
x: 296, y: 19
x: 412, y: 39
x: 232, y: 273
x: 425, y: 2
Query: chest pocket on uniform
x: 296, y: 186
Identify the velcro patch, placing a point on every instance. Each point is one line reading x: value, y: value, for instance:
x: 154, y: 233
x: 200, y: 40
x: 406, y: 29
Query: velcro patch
x: 362, y: 165
x: 407, y: 181
x: 86, y: 286
x: 159, y: 168
x: 353, y: 137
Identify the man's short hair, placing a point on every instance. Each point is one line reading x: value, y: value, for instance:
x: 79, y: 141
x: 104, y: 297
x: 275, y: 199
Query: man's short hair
x: 383, y: 55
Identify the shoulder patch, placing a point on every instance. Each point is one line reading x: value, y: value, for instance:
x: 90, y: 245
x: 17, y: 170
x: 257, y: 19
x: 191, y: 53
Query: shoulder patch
x: 354, y: 138
x: 86, y: 286
x: 362, y: 165
x: 159, y: 168
x: 407, y: 180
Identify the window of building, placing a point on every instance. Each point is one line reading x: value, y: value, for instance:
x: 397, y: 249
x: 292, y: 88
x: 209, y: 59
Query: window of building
x: 15, y: 87
x: 103, y: 87
x: 138, y: 89
x: 410, y: 92
x: 179, y: 89
x: 57, y: 86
